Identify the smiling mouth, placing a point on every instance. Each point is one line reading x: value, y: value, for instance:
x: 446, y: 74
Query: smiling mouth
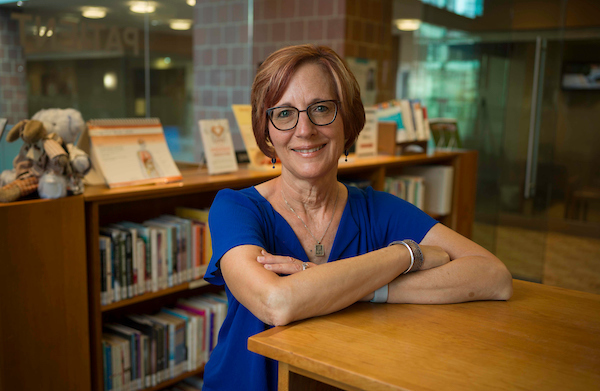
x: 309, y: 150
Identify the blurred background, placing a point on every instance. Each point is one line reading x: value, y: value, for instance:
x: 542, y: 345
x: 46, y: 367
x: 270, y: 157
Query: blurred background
x: 521, y: 77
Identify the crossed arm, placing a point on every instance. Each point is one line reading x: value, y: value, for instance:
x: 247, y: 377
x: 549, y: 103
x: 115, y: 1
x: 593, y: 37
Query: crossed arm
x: 455, y: 270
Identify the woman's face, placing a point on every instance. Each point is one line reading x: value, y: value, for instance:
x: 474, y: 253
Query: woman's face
x: 309, y: 151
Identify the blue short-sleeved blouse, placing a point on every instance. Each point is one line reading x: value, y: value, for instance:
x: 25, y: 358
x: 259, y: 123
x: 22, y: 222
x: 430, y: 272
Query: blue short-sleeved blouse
x: 370, y: 221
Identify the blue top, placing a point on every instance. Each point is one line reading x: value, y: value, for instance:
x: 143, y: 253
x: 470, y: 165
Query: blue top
x: 371, y: 220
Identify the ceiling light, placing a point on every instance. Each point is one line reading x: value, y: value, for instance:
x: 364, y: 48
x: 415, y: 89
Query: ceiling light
x: 110, y: 81
x: 93, y: 12
x: 180, y: 24
x: 49, y: 33
x: 142, y: 7
x: 42, y: 31
x: 407, y: 24
x: 191, y: 3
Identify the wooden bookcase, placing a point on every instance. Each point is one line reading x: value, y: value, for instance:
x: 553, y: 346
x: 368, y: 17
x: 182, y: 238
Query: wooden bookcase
x: 50, y: 313
x: 198, y: 189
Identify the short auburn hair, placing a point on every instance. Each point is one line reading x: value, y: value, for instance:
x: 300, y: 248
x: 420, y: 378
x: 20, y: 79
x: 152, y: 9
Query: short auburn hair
x: 273, y: 78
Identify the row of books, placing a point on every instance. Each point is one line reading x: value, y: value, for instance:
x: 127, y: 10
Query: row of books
x: 141, y: 351
x: 410, y: 116
x: 409, y: 188
x: 430, y: 188
x: 159, y: 253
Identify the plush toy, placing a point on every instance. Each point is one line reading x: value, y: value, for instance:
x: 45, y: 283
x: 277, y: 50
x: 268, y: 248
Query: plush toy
x: 40, y: 154
x: 68, y: 124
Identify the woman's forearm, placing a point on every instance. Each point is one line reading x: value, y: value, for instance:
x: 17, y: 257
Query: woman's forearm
x: 468, y: 278
x: 333, y: 286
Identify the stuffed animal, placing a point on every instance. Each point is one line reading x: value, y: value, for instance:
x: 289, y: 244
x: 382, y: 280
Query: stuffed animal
x: 40, y: 154
x: 68, y: 124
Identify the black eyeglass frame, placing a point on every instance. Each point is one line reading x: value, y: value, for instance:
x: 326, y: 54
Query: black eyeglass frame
x: 270, y: 111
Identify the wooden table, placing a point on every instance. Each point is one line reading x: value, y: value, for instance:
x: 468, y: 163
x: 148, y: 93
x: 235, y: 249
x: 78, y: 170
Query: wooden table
x: 543, y: 338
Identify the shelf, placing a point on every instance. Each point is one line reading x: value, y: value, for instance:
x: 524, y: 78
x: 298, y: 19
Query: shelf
x: 153, y: 295
x: 175, y: 380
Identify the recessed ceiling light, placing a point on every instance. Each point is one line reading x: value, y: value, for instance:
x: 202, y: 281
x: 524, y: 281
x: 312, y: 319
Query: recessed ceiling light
x: 142, y: 7
x: 407, y: 24
x: 110, y: 81
x: 180, y: 24
x: 93, y: 12
x: 191, y: 3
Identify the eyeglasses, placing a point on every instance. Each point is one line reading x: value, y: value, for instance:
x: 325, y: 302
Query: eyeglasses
x: 320, y: 113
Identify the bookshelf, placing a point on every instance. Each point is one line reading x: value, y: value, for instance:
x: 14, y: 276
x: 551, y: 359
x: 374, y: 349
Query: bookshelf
x: 197, y: 190
x: 70, y: 245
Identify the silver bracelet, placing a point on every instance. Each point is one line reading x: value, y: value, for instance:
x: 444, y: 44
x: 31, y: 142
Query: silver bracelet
x: 380, y: 295
x: 416, y: 255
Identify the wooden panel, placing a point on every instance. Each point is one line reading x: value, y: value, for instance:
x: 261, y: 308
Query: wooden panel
x: 465, y: 190
x: 44, y: 338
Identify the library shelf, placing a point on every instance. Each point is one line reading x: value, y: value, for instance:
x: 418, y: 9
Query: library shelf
x: 186, y: 286
x: 197, y: 190
x: 175, y: 380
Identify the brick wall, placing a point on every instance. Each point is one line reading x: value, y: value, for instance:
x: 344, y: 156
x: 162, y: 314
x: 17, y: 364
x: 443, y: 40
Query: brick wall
x: 13, y: 85
x: 224, y: 69
x: 369, y: 35
x: 291, y: 22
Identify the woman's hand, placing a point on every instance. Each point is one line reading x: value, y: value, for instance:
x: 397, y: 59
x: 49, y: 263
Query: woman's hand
x: 433, y: 256
x: 282, y: 265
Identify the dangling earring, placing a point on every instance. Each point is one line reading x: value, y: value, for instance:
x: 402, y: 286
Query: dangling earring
x: 273, y: 160
x: 346, y: 153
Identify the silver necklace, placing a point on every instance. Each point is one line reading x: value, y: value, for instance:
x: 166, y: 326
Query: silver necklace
x: 319, y: 250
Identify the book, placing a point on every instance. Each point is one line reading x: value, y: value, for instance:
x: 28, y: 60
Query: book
x: 158, y: 253
x: 409, y: 188
x: 128, y: 152
x: 408, y: 120
x: 161, y: 351
x: 200, y: 216
x: 218, y: 146
x: 145, y: 261
x: 243, y: 117
x: 366, y: 143
x: 135, y: 350
x: 172, y: 249
x: 104, y: 243
x: 181, y: 340
x: 168, y: 344
x: 107, y: 365
x: 117, y: 261
x: 438, y: 182
x: 445, y: 133
x: 130, y: 258
x: 191, y: 326
x: 417, y: 110
x: 150, y: 346
x: 186, y: 252
x: 205, y: 326
x: 120, y: 365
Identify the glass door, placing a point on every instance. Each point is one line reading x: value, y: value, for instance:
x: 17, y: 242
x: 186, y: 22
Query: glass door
x: 528, y: 100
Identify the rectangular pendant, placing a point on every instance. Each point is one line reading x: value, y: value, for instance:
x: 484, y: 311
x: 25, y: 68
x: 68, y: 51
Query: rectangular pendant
x: 319, y: 250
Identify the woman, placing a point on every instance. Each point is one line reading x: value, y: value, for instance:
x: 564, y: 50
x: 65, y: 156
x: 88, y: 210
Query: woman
x: 274, y: 245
